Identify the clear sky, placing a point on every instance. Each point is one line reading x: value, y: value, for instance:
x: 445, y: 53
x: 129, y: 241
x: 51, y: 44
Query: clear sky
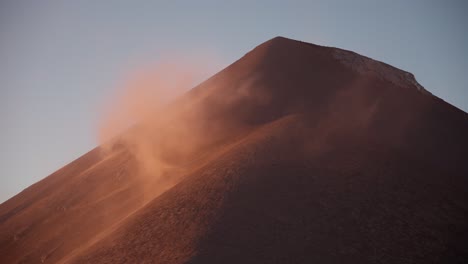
x: 59, y: 59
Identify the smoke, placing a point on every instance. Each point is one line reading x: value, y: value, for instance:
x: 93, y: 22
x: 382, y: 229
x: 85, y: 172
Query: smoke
x: 144, y: 119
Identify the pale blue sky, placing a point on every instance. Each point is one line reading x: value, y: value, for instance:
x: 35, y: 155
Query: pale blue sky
x: 59, y: 59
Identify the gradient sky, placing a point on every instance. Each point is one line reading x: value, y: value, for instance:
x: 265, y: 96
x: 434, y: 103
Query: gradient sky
x: 60, y: 59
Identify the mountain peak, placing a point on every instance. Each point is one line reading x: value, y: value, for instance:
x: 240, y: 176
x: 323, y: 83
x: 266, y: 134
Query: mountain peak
x: 357, y: 63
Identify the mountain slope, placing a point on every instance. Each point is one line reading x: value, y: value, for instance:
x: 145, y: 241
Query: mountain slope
x: 311, y: 154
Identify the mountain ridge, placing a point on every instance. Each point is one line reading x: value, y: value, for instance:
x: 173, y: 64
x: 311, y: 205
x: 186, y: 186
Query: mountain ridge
x: 339, y: 53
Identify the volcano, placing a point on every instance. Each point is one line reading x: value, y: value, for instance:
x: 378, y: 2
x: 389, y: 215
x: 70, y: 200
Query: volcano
x: 304, y: 154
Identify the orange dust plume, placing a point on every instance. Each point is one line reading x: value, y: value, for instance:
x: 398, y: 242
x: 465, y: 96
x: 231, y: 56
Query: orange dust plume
x: 142, y: 118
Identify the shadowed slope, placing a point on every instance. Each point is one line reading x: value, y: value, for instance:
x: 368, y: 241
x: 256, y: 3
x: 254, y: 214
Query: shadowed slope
x: 310, y: 158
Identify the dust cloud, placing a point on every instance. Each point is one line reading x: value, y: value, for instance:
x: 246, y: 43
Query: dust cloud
x: 148, y: 118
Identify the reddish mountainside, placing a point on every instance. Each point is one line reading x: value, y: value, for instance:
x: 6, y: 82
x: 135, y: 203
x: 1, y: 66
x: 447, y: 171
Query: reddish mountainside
x: 311, y: 154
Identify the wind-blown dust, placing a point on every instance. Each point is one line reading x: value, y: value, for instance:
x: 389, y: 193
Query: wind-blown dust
x: 143, y: 119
